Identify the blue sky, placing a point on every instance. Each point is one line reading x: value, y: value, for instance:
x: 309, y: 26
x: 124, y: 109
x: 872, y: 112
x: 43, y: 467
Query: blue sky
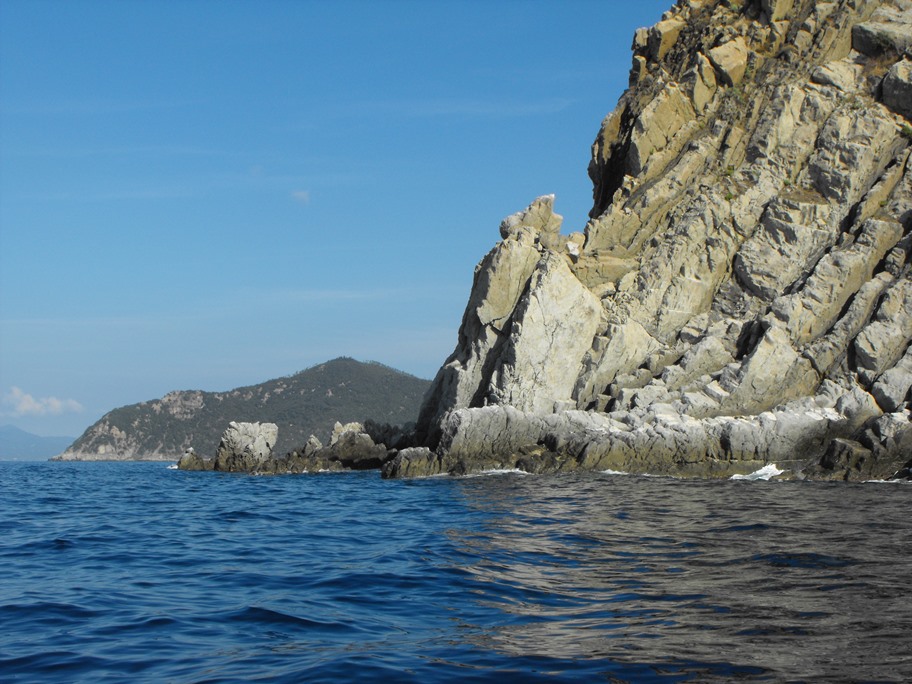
x: 204, y: 195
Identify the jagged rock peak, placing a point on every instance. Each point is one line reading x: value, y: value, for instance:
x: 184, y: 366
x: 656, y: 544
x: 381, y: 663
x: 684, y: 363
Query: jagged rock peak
x: 748, y: 247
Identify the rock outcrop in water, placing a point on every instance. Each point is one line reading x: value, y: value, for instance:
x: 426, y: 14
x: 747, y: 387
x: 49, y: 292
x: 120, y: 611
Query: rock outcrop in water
x: 742, y: 292
x: 249, y: 448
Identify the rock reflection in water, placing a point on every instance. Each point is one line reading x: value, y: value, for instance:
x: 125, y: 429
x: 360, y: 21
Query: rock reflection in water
x: 765, y: 577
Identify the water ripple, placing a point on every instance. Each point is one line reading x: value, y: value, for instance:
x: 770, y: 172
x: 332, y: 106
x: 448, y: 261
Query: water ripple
x: 132, y: 572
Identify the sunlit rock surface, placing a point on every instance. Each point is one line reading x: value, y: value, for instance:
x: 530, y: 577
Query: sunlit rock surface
x: 742, y: 291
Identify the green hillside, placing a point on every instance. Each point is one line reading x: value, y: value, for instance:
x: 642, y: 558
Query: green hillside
x: 306, y: 403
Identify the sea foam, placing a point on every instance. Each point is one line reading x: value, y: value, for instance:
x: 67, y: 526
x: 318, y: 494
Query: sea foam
x: 765, y: 473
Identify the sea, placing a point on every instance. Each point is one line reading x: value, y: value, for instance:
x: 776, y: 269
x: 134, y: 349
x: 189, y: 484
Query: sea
x: 138, y: 572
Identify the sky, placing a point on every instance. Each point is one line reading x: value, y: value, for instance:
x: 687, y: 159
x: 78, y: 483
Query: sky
x: 210, y: 194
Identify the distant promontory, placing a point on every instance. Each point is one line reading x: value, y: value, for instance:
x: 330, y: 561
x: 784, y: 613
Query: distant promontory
x: 304, y: 404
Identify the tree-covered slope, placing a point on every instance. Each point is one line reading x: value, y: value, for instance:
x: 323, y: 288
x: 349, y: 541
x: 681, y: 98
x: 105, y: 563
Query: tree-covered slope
x: 308, y: 402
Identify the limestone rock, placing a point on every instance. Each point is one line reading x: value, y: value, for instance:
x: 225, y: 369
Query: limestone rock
x: 193, y: 461
x: 245, y: 446
x: 662, y: 442
x: 858, y: 407
x: 539, y: 217
x: 847, y: 152
x: 312, y: 446
x: 889, y: 30
x: 772, y: 374
x: 813, y: 310
x: 681, y: 274
x: 892, y: 426
x: 354, y: 449
x: 649, y: 395
x: 704, y: 83
x: 826, y: 351
x: 414, y: 462
x: 845, y: 457
x: 739, y: 294
x: 730, y: 60
x: 484, y: 437
x: 544, y: 354
x: 625, y: 347
x: 500, y: 279
x: 776, y: 10
x: 883, y: 341
x: 708, y: 355
x: 904, y: 473
x: 662, y: 37
x: 890, y: 440
x: 892, y: 388
x: 340, y: 430
x: 897, y: 88
x: 656, y: 128
x: 594, y: 269
x: 843, y: 75
x: 793, y: 236
x: 304, y: 461
x: 391, y: 436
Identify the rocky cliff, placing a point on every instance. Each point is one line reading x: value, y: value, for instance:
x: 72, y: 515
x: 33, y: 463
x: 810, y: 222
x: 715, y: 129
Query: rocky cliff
x: 742, y: 292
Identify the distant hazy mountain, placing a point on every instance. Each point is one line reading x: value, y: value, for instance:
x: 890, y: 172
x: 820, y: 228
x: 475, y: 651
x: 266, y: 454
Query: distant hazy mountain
x: 16, y: 443
x: 309, y: 402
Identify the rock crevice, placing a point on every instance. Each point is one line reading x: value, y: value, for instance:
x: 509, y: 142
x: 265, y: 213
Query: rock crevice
x: 742, y: 288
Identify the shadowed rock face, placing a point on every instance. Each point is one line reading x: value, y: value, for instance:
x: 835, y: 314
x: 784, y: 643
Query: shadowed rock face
x: 742, y: 291
x: 248, y: 448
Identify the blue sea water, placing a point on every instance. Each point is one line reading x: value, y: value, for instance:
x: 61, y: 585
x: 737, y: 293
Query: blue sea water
x: 132, y: 572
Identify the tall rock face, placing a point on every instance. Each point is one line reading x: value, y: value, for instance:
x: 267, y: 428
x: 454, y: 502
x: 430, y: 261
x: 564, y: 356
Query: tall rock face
x: 742, y: 290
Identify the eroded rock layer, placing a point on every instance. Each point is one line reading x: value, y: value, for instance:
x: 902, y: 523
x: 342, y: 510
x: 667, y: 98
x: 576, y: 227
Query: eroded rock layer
x: 742, y: 291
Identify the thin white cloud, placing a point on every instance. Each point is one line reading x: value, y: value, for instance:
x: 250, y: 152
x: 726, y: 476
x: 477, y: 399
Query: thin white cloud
x: 18, y: 403
x: 301, y: 196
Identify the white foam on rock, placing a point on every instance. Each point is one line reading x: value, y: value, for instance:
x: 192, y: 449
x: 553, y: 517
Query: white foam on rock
x: 765, y: 473
x: 498, y: 471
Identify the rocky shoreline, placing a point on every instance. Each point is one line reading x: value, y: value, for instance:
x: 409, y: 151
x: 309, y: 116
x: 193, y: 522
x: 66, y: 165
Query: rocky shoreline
x: 798, y: 440
x: 742, y: 292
